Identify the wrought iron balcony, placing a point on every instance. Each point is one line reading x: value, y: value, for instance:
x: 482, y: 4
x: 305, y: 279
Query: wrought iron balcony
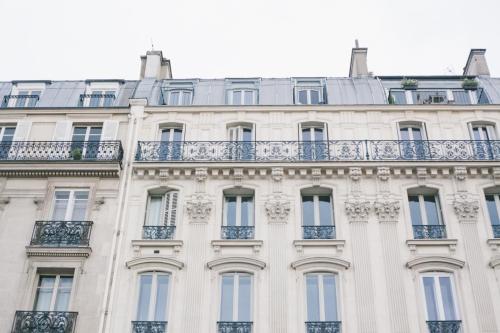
x: 61, y: 233
x: 429, y: 231
x: 237, y: 232
x: 158, y: 231
x: 318, y: 231
x: 496, y: 230
x: 149, y: 327
x: 21, y: 101
x: 323, y: 326
x: 444, y: 326
x: 97, y: 100
x: 57, y: 151
x: 234, y: 327
x: 44, y: 322
x: 303, y: 151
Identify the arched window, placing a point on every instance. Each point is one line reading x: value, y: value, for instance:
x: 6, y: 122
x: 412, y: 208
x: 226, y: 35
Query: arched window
x: 238, y: 214
x: 425, y: 213
x: 161, y: 214
x: 235, y: 302
x: 323, y: 313
x: 317, y: 214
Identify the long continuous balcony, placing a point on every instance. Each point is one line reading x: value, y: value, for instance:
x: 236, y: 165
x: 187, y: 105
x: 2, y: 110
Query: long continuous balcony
x: 149, y: 327
x: 158, y: 231
x: 444, y: 326
x: 429, y: 231
x: 333, y: 150
x: 323, y: 326
x: 234, y: 327
x: 61, y: 233
x: 318, y: 231
x: 44, y: 322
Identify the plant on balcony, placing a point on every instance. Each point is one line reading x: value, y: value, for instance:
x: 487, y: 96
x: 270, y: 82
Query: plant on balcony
x: 409, y: 83
x: 76, y: 153
x: 469, y: 84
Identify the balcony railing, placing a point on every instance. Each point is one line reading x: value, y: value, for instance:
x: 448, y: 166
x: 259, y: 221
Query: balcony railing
x: 237, y: 232
x: 61, y: 151
x: 496, y: 230
x: 323, y: 326
x: 97, y: 100
x: 61, y: 233
x: 158, y: 231
x: 429, y: 231
x: 149, y: 327
x: 318, y: 232
x: 234, y: 327
x: 444, y: 326
x: 44, y: 322
x: 334, y: 150
x: 21, y: 101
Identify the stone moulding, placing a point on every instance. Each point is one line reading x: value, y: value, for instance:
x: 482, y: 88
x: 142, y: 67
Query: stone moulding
x: 466, y: 207
x: 277, y: 209
x: 251, y: 263
x: 435, y: 261
x: 300, y: 244
x: 154, y: 261
x: 311, y: 262
x: 495, y: 262
x: 255, y: 244
x: 387, y: 210
x: 38, y: 251
x: 198, y: 207
x: 414, y: 244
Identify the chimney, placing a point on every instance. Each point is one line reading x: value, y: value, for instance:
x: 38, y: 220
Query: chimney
x: 476, y: 63
x: 359, y: 64
x: 153, y: 65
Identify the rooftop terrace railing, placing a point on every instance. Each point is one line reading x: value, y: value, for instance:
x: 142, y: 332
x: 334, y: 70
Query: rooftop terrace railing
x: 20, y: 100
x: 304, y: 151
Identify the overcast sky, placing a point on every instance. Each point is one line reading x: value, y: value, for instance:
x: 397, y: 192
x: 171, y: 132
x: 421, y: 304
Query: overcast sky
x: 65, y: 39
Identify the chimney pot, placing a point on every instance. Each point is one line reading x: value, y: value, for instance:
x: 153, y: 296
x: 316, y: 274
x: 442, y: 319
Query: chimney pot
x: 153, y: 65
x: 476, y: 63
x: 359, y: 63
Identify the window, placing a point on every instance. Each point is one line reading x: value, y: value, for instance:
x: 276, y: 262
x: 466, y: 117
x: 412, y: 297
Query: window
x: 413, y: 144
x: 161, y: 215
x: 482, y: 134
x: 70, y: 205
x: 85, y: 141
x: 440, y: 302
x: 238, y: 221
x: 236, y: 298
x: 242, y: 97
x: 100, y: 98
x: 171, y: 143
x: 317, y: 215
x: 321, y: 295
x: 178, y: 97
x: 53, y: 292
x: 397, y: 97
x: 309, y: 91
x: 426, y: 216
x: 6, y: 138
x: 314, y: 145
x: 152, y: 304
x: 493, y: 204
x: 309, y: 96
x: 25, y: 98
x: 241, y: 146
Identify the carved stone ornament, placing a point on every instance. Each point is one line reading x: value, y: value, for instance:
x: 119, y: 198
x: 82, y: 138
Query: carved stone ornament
x: 277, y: 209
x: 277, y: 174
x: 201, y: 174
x: 355, y: 174
x: 4, y: 202
x: 387, y: 210
x: 383, y: 173
x: 466, y: 207
x: 198, y: 208
x: 357, y: 209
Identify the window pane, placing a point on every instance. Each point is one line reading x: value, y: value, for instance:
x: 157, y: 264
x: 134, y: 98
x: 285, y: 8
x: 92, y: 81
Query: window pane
x: 417, y: 133
x: 399, y: 97
x: 306, y: 134
x: 246, y: 211
x: 318, y: 134
x: 325, y: 210
x: 431, y: 209
x: 492, y: 209
x: 174, y: 98
x: 416, y: 217
x: 314, y: 96
x: 8, y: 134
x: 144, y: 296
x: 32, y: 101
x: 186, y: 98
x: 307, y: 210
x: 404, y: 134
x: 244, y: 298
x: 177, y: 134
x: 79, y: 133
x: 80, y: 206
x: 461, y: 97
x: 447, y: 297
x: 21, y: 100
x: 312, y: 298
x: 44, y: 293
x: 430, y: 298
x: 230, y: 211
x: 95, y: 133
x: 303, y: 96
x: 60, y: 205
x: 236, y: 97
x: 330, y: 297
x: 63, y: 293
x: 109, y: 98
x: 247, y: 134
x: 249, y: 97
x: 161, y: 298
x: 154, y: 210
x: 226, y: 304
x: 95, y: 98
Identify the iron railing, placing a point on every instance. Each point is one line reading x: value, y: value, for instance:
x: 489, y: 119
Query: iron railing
x: 496, y: 230
x: 95, y: 100
x: 158, y: 231
x: 44, y: 322
x: 429, y: 231
x: 318, y: 231
x: 234, y: 326
x: 149, y: 327
x: 444, y: 326
x: 237, y: 232
x: 61, y: 233
x: 21, y: 101
x: 323, y: 326
x: 61, y: 151
x: 333, y: 150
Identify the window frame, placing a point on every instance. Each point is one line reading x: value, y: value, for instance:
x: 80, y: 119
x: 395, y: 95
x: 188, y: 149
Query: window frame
x: 410, y: 125
x: 423, y: 210
x: 104, y: 88
x: 491, y: 130
x: 88, y: 129
x: 70, y: 203
x: 30, y: 88
x: 238, y: 209
x: 3, y: 128
x: 243, y: 91
x: 55, y: 290
x: 240, y: 127
x: 316, y: 207
x: 235, y: 294
x: 163, y: 208
x: 183, y: 91
x: 312, y: 127
x: 153, y: 294
x: 322, y: 313
x: 437, y: 292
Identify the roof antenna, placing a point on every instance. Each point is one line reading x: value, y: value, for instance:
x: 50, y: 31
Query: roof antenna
x: 152, y: 45
x: 356, y: 43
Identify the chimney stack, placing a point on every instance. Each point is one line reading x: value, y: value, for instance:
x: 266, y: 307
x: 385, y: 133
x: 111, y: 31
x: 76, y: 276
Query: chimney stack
x: 359, y: 63
x: 153, y: 65
x: 476, y: 63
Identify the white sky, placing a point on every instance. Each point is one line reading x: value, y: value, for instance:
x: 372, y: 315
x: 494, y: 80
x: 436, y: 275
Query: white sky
x: 65, y: 39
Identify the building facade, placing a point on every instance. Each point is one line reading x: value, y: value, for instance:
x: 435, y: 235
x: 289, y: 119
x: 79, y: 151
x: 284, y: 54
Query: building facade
x: 319, y: 205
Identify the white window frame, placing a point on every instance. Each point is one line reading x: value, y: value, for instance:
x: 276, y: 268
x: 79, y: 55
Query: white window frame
x: 236, y: 287
x: 316, y: 207
x: 243, y: 91
x: 55, y: 289
x: 423, y: 212
x: 238, y: 209
x: 167, y: 220
x: 438, y: 294
x: 2, y: 131
x: 29, y: 87
x: 170, y: 128
x: 71, y: 202
x: 490, y: 131
x: 322, y: 293
x: 300, y: 88
x: 312, y: 128
x: 239, y: 130
x: 409, y: 126
x: 87, y: 130
x: 153, y: 294
x: 182, y: 96
x: 104, y: 88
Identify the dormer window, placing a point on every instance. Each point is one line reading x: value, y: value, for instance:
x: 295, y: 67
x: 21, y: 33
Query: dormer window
x: 99, y: 94
x: 24, y: 95
x: 177, y: 93
x: 309, y: 92
x: 242, y: 91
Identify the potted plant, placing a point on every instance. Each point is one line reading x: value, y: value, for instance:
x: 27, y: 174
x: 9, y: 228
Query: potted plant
x: 409, y: 83
x: 469, y: 84
x: 76, y: 153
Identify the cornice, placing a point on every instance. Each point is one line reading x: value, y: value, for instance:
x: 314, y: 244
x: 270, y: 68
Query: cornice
x: 36, y: 251
x: 332, y: 262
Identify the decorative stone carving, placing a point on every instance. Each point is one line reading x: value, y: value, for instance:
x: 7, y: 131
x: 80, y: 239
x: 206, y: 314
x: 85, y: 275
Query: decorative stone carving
x: 164, y: 175
x: 4, y: 202
x: 198, y: 208
x: 357, y: 209
x: 39, y: 202
x: 277, y: 209
x: 460, y: 172
x: 383, y: 173
x: 277, y: 174
x: 316, y: 176
x: 355, y: 174
x: 201, y: 174
x: 466, y: 207
x: 238, y: 176
x: 98, y: 202
x: 387, y: 210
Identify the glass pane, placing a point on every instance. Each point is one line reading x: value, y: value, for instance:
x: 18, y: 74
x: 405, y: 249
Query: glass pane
x: 312, y: 286
x: 492, y: 209
x: 95, y: 98
x: 404, y: 133
x: 32, y: 101
x: 303, y: 96
x: 244, y: 298
x: 161, y: 298
x: 177, y: 134
x: 80, y: 206
x: 417, y: 133
x: 145, y: 281
x: 60, y: 205
x: 330, y: 297
x: 174, y: 98
x: 249, y: 97
x: 44, y: 293
x: 154, y: 211
x: 318, y: 134
x: 109, y: 98
x: 476, y: 131
x: 230, y: 211
x: 236, y: 97
x: 246, y: 211
x: 79, y: 133
x: 325, y: 210
x: 399, y: 97
x: 63, y: 293
x: 186, y: 98
x: 307, y: 210
x: 165, y: 134
x: 226, y: 303
x: 8, y: 134
x: 95, y: 133
x: 306, y: 134
x: 447, y: 297
x: 314, y: 96
x: 247, y: 134
x: 416, y: 217
x: 21, y: 99
x: 431, y: 209
x: 461, y: 97
x: 430, y: 298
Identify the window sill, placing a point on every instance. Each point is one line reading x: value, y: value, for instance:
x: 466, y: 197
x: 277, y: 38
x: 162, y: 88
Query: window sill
x: 427, y: 246
x: 146, y: 247
x: 301, y: 244
x: 39, y: 251
x: 494, y: 244
x: 237, y: 244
